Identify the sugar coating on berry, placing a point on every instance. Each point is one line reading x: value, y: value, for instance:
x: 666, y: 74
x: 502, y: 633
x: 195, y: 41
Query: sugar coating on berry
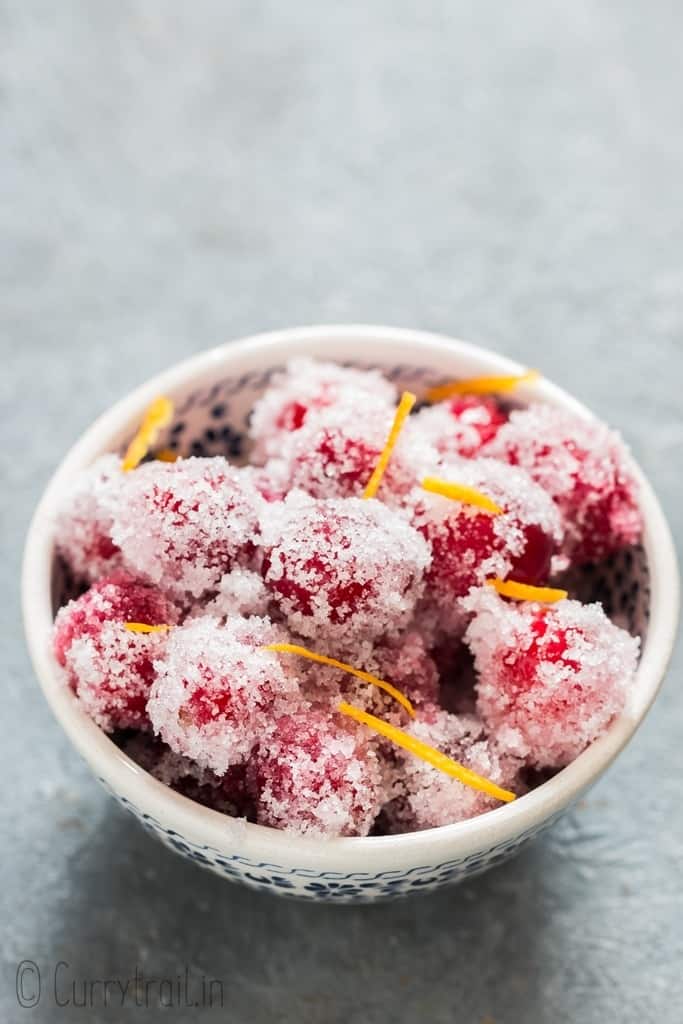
x: 408, y: 665
x: 342, y: 569
x: 270, y: 480
x: 183, y: 525
x: 470, y: 545
x: 460, y: 426
x: 335, y: 452
x: 110, y: 669
x: 307, y: 387
x: 585, y: 467
x: 405, y: 663
x: 239, y: 592
x: 551, y: 677
x: 217, y: 688
x: 83, y: 525
x: 427, y: 798
x: 317, y: 774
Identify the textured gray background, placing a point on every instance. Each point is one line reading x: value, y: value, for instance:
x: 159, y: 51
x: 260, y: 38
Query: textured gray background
x: 174, y: 175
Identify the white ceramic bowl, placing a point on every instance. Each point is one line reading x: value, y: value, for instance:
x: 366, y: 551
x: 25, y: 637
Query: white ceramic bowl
x: 214, y: 391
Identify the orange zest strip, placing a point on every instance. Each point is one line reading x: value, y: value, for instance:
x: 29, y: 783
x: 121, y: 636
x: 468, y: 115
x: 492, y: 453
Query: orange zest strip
x: 459, y: 492
x: 167, y: 455
x: 402, y: 412
x: 144, y: 627
x: 157, y: 416
x: 525, y: 592
x: 367, y: 677
x: 480, y: 386
x: 429, y: 754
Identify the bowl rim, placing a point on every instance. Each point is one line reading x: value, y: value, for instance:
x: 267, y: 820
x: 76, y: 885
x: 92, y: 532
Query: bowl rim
x: 213, y: 829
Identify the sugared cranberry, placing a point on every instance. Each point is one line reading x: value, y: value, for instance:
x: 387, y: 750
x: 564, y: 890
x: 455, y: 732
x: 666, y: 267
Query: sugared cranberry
x: 83, y: 526
x: 551, y: 677
x: 111, y: 669
x: 306, y: 387
x: 334, y: 454
x: 470, y: 544
x: 404, y: 662
x: 183, y: 525
x: 318, y: 774
x: 585, y: 468
x: 425, y: 798
x: 216, y: 689
x: 344, y: 570
x: 460, y: 426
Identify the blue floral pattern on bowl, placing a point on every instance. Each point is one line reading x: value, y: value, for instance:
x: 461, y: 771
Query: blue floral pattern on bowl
x: 331, y: 886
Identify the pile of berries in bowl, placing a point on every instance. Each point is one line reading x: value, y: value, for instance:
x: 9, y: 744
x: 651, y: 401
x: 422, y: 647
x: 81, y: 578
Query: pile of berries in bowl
x: 345, y: 602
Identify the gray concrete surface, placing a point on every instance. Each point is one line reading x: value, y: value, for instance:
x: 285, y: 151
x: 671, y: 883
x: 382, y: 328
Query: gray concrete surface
x: 173, y: 175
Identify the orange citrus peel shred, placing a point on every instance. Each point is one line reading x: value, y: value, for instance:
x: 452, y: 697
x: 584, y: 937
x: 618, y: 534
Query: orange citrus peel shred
x: 481, y: 386
x: 167, y: 455
x: 429, y: 754
x: 525, y: 592
x: 144, y: 627
x: 402, y: 412
x: 367, y: 677
x: 459, y: 492
x: 157, y: 416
